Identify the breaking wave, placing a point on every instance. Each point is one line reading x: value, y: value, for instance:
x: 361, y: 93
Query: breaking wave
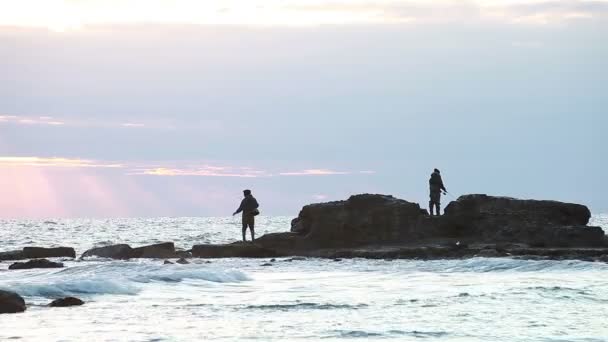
x: 116, y: 278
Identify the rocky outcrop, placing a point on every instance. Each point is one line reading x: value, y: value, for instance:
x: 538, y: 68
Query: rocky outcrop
x: 233, y: 250
x: 123, y: 251
x: 41, y: 252
x: 35, y: 263
x: 65, y: 302
x: 120, y: 251
x: 157, y: 251
x: 38, y: 252
x: 482, y: 218
x: 362, y: 219
x: 382, y: 226
x: 10, y: 302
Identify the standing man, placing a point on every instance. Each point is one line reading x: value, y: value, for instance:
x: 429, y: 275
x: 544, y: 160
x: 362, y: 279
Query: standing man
x: 249, y: 207
x: 436, y: 186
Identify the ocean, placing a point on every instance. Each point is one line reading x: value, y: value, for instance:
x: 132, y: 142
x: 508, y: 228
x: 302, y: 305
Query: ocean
x: 478, y: 299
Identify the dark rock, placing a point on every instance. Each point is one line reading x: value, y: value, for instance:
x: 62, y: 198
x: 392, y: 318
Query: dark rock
x: 159, y: 251
x: 41, y: 252
x: 362, y: 219
x: 183, y: 254
x: 379, y: 226
x: 167, y: 262
x: 67, y: 301
x: 10, y: 302
x: 519, y: 212
x: 234, y: 250
x: 35, y: 263
x: 12, y: 255
x: 337, y: 259
x: 121, y: 251
x: 273, y: 260
x: 266, y: 264
x: 182, y: 261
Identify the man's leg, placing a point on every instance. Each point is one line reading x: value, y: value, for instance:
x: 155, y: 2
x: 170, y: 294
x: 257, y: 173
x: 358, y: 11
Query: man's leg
x: 244, y: 229
x: 438, y: 207
x: 251, y: 227
x: 431, y: 205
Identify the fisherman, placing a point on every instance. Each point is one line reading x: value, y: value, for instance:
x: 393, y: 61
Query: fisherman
x: 436, y: 186
x: 249, y: 208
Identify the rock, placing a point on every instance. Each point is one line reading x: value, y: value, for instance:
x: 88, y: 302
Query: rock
x: 266, y: 264
x: 234, y: 250
x: 10, y: 302
x: 158, y: 251
x: 182, y: 261
x: 380, y: 226
x: 38, y: 252
x: 362, y: 219
x: 167, y: 262
x: 273, y: 260
x: 11, y: 255
x: 67, y: 301
x: 121, y: 251
x: 35, y: 263
x: 337, y: 259
x: 41, y: 252
x: 183, y: 254
x: 511, y: 211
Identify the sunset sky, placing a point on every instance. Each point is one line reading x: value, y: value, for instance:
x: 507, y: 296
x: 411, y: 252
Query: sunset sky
x: 170, y: 108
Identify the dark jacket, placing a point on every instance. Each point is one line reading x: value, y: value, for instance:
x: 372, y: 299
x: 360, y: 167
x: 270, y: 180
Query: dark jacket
x: 248, y: 205
x: 436, y: 183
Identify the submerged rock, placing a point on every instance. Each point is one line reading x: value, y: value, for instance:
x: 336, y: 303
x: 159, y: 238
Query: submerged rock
x: 35, y: 263
x: 67, y: 301
x: 182, y: 261
x: 168, y: 262
x: 10, y: 302
x: 12, y: 255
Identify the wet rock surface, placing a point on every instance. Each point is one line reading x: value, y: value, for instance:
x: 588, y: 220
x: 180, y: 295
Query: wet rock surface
x: 11, y: 302
x: 67, y: 301
x: 35, y: 263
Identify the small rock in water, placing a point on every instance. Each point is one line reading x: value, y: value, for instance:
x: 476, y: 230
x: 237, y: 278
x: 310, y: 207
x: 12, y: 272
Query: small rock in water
x: 35, y: 263
x: 337, y: 259
x: 167, y: 262
x: 10, y: 302
x: 67, y: 301
x: 273, y: 260
x: 266, y: 264
x: 182, y: 261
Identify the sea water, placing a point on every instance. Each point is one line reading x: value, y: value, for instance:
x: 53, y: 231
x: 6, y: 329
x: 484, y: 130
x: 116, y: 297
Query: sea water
x: 478, y: 299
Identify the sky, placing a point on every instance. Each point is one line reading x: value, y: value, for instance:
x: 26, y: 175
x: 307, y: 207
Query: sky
x: 172, y: 107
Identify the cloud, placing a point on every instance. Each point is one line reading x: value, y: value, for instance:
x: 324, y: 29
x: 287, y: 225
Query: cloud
x: 42, y: 120
x: 203, y: 171
x: 54, y: 162
x: 51, y: 121
x: 66, y: 15
x: 314, y: 172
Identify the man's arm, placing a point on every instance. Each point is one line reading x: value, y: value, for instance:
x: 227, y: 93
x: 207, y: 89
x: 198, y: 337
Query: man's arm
x: 442, y: 186
x: 239, y: 209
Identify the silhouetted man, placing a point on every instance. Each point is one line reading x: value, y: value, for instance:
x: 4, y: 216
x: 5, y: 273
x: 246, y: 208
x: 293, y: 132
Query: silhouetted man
x: 436, y: 186
x: 249, y: 208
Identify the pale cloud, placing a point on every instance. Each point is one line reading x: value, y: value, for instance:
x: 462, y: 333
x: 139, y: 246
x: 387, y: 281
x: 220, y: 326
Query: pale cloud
x: 52, y: 121
x: 42, y: 120
x: 132, y: 124
x: 314, y: 172
x: 206, y: 171
x: 65, y: 15
x: 54, y: 162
